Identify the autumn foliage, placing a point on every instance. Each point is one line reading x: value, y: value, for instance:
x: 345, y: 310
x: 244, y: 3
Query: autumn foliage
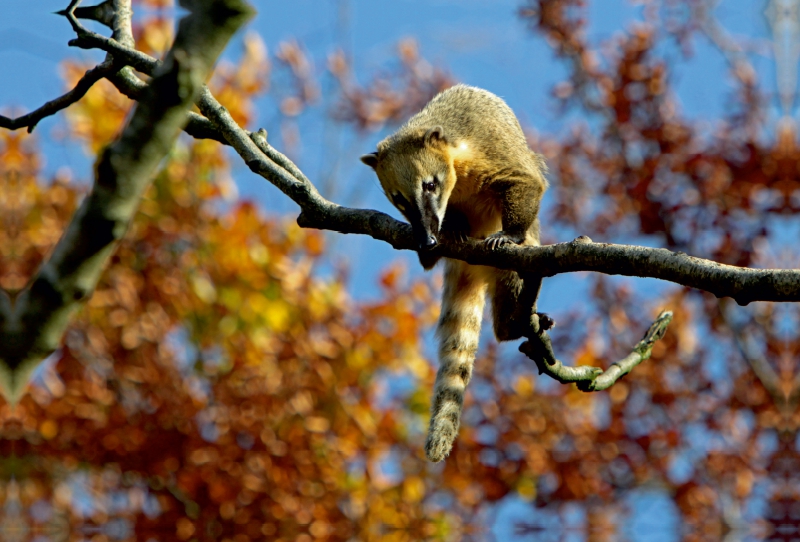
x: 219, y: 385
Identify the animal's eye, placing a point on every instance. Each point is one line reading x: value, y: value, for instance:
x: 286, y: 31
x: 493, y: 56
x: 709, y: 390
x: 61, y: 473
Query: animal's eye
x: 429, y: 186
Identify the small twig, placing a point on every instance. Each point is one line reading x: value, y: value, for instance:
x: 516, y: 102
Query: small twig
x: 92, y: 40
x: 760, y: 366
x: 260, y: 139
x: 785, y: 392
x: 539, y: 348
x: 52, y: 107
x: 102, y: 13
x: 69, y: 13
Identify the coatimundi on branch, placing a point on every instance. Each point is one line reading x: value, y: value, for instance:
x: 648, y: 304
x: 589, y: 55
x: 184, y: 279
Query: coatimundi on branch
x: 462, y: 167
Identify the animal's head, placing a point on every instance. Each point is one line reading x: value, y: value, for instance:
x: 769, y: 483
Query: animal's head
x: 418, y: 176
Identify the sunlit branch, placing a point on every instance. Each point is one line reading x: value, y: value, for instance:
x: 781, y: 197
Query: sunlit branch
x: 539, y: 348
x: 121, y: 22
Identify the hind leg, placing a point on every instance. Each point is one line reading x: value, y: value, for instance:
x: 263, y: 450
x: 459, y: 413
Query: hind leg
x: 514, y: 298
x: 513, y: 304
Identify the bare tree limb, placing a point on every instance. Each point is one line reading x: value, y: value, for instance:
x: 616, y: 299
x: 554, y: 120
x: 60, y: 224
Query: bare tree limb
x: 588, y: 378
x: 33, y: 322
x: 52, y: 107
x: 104, y: 13
x: 116, y: 14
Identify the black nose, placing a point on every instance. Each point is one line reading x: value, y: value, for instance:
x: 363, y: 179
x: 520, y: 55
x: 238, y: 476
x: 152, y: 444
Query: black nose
x: 429, y: 243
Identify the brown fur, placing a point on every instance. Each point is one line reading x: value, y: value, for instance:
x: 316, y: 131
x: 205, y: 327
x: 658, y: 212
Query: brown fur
x: 488, y: 186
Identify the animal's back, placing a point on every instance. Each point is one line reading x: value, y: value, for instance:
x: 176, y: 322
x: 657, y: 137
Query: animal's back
x: 475, y: 116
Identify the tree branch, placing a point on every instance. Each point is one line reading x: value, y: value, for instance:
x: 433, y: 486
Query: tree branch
x: 539, y: 348
x: 52, y: 107
x: 33, y: 324
x: 744, y: 285
x: 104, y: 13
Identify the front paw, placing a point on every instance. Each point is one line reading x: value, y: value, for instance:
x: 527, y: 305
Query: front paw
x: 501, y: 238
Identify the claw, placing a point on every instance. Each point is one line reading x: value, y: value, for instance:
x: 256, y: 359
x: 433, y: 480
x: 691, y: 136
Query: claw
x: 501, y: 238
x: 457, y: 236
x: 546, y: 321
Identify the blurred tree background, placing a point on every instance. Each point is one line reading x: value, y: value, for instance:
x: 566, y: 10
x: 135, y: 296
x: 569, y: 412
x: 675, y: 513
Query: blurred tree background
x: 227, y: 381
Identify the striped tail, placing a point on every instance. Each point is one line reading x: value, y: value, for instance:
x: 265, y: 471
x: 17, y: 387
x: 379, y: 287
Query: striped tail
x: 458, y: 332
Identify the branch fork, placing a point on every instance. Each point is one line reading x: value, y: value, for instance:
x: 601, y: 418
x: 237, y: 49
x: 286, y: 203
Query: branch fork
x: 588, y: 378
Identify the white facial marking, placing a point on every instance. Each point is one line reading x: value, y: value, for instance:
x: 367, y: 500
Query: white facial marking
x: 440, y: 214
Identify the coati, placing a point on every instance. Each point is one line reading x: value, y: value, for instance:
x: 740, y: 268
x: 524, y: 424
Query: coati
x: 462, y: 167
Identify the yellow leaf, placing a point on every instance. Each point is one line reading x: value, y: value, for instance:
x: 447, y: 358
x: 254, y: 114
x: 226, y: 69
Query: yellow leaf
x: 526, y: 488
x: 317, y: 424
x: 524, y: 386
x: 413, y: 489
x: 204, y: 289
x: 48, y: 429
x: 277, y: 315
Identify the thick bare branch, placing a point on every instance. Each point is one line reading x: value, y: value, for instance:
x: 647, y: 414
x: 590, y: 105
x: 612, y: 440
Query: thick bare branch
x: 34, y: 323
x: 120, y: 22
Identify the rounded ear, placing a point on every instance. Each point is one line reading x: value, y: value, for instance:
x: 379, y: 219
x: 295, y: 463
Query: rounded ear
x: 370, y: 159
x: 434, y: 136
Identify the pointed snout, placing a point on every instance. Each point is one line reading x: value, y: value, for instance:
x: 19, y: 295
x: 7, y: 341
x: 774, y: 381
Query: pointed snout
x: 424, y: 221
x: 426, y: 239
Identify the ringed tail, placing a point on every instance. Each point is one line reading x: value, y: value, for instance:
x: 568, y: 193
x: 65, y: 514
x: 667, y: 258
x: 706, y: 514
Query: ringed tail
x: 458, y: 331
